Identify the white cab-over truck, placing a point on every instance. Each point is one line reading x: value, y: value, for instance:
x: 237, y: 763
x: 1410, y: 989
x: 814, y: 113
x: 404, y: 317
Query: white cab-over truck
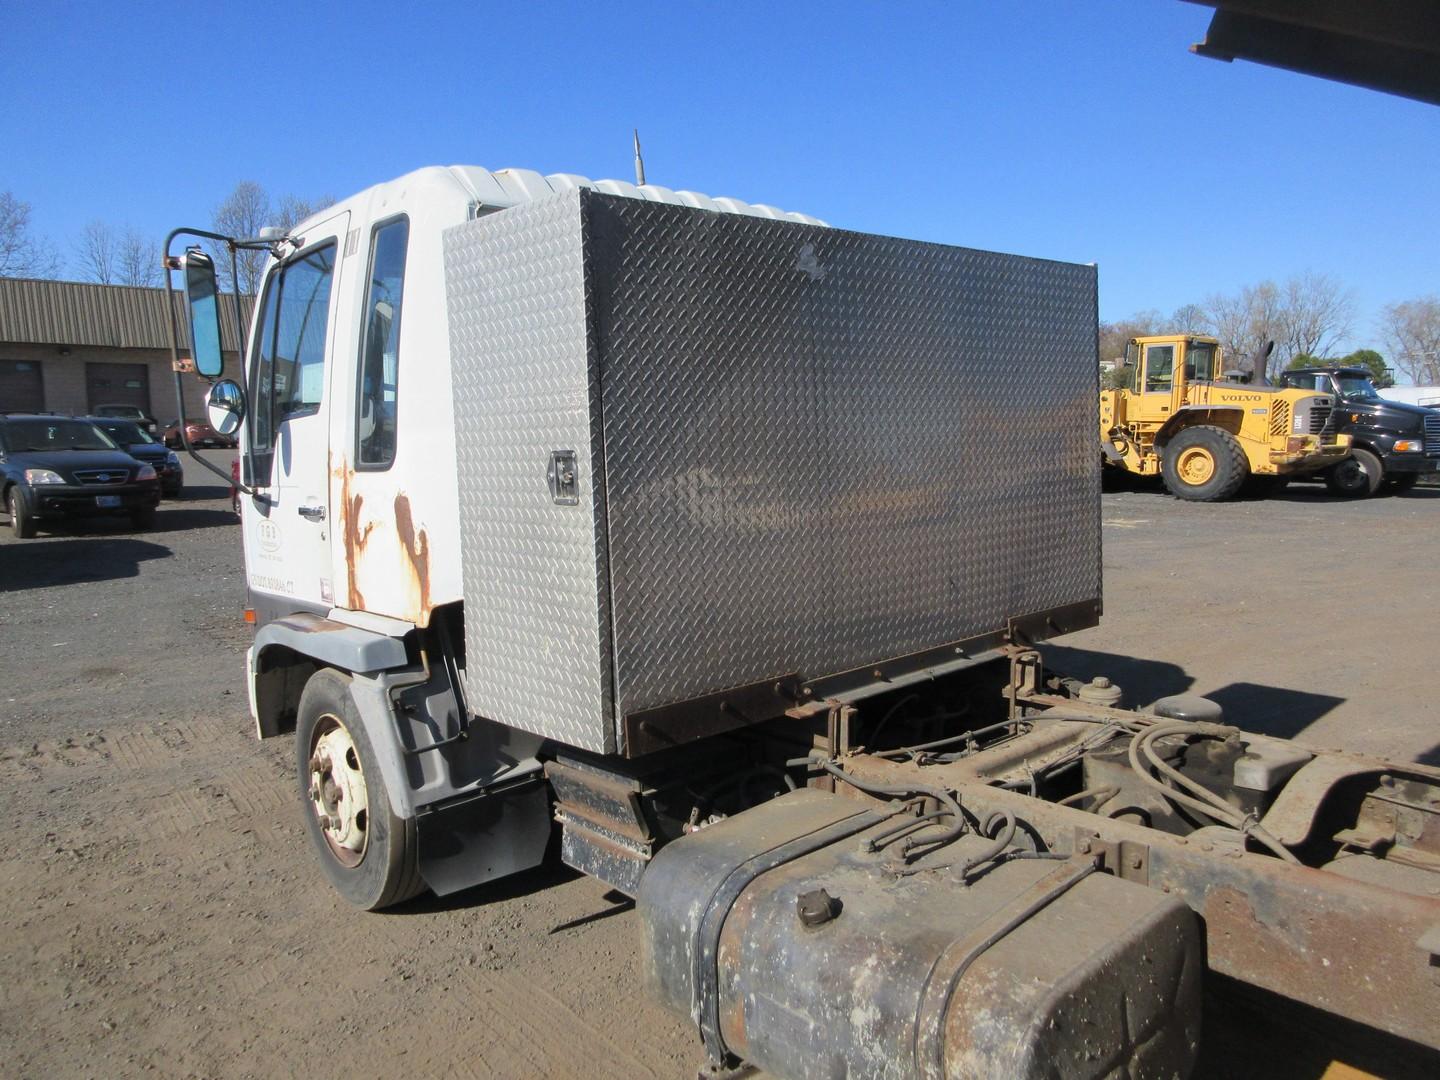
x: 707, y: 547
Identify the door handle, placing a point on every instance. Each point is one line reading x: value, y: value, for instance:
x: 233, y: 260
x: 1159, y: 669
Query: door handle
x: 311, y: 513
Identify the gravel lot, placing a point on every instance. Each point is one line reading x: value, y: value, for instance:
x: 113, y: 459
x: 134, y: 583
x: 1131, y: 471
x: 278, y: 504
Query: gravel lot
x: 159, y: 911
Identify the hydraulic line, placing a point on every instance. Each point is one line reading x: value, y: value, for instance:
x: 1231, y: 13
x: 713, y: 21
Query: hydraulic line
x: 1102, y: 794
x: 1203, y: 799
x: 940, y: 795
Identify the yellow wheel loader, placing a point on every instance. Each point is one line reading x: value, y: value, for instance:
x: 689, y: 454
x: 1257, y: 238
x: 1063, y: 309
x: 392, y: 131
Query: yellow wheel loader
x: 1204, y: 431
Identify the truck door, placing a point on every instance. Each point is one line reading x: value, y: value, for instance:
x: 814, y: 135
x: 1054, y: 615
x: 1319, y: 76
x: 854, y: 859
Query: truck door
x: 287, y: 441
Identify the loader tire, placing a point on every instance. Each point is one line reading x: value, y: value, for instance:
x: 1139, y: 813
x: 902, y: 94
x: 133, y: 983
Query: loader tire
x: 367, y: 853
x: 1204, y: 464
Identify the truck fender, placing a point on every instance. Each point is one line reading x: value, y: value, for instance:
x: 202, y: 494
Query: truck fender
x: 1228, y: 417
x: 332, y: 643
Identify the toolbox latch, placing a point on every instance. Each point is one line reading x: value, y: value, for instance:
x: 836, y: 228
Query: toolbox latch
x: 562, y: 477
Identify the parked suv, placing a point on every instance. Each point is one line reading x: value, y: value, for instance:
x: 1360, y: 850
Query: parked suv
x: 1392, y: 443
x: 58, y: 466
x: 132, y: 413
x: 131, y: 438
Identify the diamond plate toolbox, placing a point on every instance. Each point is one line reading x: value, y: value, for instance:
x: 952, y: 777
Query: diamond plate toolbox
x: 704, y: 451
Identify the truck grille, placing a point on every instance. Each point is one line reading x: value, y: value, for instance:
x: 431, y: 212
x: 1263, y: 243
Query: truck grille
x: 1432, y: 433
x: 117, y: 475
x: 1320, y: 418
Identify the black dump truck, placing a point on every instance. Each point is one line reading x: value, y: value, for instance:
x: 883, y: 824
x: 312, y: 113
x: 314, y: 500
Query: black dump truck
x: 1394, y: 444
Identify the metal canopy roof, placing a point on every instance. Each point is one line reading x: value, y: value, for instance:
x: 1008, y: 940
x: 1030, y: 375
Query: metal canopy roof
x: 1389, y: 45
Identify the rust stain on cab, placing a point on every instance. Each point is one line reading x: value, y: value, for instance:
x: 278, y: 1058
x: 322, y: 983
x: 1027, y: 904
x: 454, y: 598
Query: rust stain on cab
x: 416, y: 545
x: 352, y: 534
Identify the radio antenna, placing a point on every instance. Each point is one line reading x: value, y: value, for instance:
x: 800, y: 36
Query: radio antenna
x: 639, y: 161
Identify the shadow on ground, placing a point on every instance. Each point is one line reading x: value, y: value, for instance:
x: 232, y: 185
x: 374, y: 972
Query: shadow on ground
x: 1142, y: 680
x: 547, y: 875
x: 1272, y: 710
x: 42, y: 563
x: 1266, y: 710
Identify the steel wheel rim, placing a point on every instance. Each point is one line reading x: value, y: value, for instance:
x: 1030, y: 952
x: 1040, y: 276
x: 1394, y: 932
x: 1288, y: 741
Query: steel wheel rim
x: 1195, y: 465
x: 1352, y: 472
x: 337, y: 792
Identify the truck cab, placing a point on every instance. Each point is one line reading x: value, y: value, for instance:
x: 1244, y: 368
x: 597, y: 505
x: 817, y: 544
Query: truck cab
x: 1392, y: 444
x: 1176, y: 415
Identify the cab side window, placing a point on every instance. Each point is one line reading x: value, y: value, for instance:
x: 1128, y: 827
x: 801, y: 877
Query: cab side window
x: 378, y: 384
x: 290, y: 349
x: 1159, y: 367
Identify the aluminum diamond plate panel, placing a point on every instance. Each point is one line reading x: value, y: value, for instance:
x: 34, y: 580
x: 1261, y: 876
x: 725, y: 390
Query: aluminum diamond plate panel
x: 824, y: 449
x: 536, y: 622
x: 808, y: 451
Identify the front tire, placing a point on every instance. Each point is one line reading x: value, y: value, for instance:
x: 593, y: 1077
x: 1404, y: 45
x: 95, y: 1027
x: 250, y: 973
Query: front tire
x: 1357, y: 477
x: 367, y: 853
x: 21, y: 523
x: 1204, y: 464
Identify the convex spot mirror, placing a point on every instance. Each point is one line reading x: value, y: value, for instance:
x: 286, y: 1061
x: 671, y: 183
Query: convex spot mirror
x: 225, y: 406
x: 202, y: 294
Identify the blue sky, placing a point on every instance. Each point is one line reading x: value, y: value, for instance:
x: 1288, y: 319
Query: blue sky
x: 1079, y: 130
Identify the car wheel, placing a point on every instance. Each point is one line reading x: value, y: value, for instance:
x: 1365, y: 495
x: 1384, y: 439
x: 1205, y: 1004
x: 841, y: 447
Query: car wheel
x: 21, y: 523
x: 1357, y: 476
x: 367, y: 853
x: 1204, y: 464
x: 143, y: 519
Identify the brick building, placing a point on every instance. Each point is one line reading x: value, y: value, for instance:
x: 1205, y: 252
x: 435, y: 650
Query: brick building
x: 68, y: 347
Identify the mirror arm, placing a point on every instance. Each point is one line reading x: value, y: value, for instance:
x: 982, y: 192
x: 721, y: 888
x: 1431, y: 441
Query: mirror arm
x: 169, y: 263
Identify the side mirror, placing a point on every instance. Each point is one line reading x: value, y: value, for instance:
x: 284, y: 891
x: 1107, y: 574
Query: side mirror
x: 202, y: 293
x: 225, y: 406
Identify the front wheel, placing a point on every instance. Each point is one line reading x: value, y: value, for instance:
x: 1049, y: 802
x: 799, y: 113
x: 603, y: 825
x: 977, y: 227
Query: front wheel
x: 1204, y: 464
x: 1357, y: 477
x: 21, y: 523
x: 368, y: 854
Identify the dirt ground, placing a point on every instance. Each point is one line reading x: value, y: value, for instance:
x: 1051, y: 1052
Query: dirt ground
x: 158, y: 907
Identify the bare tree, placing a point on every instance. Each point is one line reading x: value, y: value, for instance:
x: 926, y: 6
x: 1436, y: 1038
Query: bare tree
x: 115, y: 257
x: 1316, y: 312
x: 1244, y: 321
x: 242, y: 214
x: 293, y: 209
x: 95, y: 253
x: 1190, y: 319
x: 1412, y: 330
x: 22, y: 254
x: 137, y: 260
x: 1114, y: 336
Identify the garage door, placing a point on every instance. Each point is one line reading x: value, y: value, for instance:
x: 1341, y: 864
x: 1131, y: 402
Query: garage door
x: 20, y: 387
x: 118, y: 384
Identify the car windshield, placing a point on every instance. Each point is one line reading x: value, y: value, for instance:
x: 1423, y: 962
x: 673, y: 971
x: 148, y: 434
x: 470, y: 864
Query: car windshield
x: 125, y: 432
x: 1358, y: 388
x: 39, y: 435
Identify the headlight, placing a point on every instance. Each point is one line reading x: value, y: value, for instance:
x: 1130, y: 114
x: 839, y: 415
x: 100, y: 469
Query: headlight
x: 172, y: 459
x: 147, y: 472
x: 43, y: 476
x: 1408, y: 446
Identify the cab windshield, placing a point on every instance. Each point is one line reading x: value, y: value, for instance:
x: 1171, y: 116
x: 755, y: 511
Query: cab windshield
x: 22, y: 436
x: 1357, y: 388
x: 125, y: 432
